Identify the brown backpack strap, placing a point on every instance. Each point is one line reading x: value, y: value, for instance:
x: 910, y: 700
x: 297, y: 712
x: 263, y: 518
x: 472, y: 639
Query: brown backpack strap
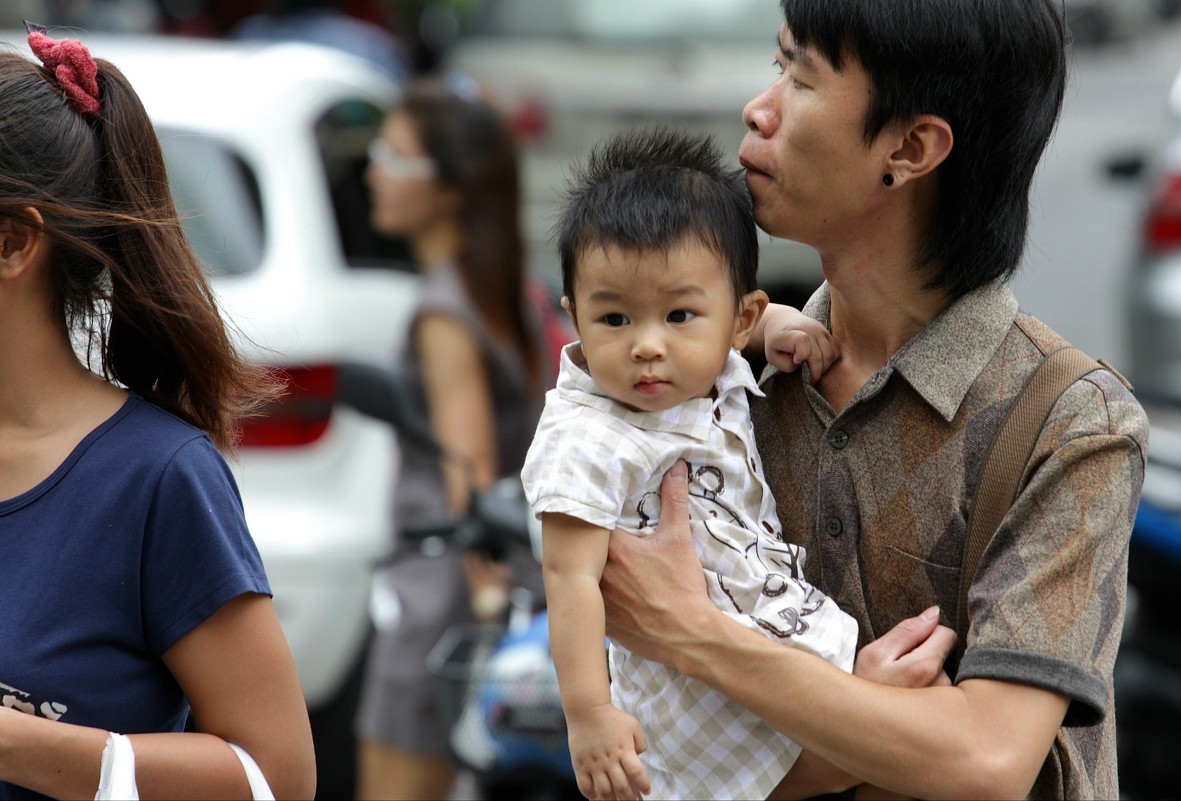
x: 1007, y: 460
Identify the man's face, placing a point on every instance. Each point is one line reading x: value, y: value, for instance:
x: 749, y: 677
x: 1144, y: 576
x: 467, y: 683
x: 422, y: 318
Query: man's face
x: 811, y: 174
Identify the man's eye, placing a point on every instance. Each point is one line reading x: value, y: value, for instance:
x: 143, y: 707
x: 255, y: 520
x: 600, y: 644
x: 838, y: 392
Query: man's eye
x: 615, y: 320
x: 681, y: 316
x: 778, y: 67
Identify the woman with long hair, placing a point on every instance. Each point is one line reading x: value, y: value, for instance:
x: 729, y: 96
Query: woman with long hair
x: 134, y: 596
x: 444, y: 175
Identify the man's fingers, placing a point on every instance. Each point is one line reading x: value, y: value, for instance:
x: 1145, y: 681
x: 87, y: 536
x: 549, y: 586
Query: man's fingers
x: 909, y: 634
x: 674, y: 494
x: 938, y: 645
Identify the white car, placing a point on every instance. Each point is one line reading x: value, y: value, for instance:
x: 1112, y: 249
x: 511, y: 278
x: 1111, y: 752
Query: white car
x: 265, y: 146
x: 1155, y: 287
x: 571, y: 72
x: 1149, y: 663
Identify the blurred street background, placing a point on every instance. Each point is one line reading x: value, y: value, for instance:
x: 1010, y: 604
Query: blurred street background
x: 568, y: 72
x: 1085, y: 230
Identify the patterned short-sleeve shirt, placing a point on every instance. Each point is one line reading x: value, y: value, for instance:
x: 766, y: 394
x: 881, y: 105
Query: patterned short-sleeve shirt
x: 880, y: 493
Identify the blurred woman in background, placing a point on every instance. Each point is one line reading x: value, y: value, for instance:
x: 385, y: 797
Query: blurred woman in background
x: 443, y: 174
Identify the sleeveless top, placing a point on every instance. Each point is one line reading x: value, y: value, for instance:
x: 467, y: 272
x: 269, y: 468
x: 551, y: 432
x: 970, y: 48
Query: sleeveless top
x: 421, y: 492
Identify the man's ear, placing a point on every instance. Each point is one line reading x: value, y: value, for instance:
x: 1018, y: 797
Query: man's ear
x: 750, y: 308
x: 568, y: 305
x: 924, y: 145
x: 21, y: 242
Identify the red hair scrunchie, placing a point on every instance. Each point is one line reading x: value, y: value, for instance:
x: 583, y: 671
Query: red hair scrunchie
x: 75, y: 69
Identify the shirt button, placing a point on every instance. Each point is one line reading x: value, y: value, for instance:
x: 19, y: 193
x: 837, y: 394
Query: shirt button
x: 838, y: 439
x: 833, y: 527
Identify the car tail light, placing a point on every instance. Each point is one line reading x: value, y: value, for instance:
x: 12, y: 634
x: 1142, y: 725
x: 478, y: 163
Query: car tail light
x: 300, y: 415
x: 1162, y: 227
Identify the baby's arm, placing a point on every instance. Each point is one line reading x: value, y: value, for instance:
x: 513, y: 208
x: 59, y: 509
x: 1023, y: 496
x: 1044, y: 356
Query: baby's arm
x: 789, y: 338
x: 604, y: 741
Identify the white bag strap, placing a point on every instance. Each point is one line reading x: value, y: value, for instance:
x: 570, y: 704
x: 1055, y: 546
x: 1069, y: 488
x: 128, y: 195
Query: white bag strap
x: 258, y: 783
x: 116, y: 779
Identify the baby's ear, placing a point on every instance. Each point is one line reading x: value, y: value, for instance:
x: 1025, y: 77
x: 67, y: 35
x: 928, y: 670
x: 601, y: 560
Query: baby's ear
x: 750, y: 308
x: 568, y: 305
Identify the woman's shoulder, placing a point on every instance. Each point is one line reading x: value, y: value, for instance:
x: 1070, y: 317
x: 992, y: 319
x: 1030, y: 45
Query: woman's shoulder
x: 441, y: 291
x: 156, y: 436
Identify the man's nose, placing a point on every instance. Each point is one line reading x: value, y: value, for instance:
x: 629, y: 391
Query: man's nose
x: 758, y: 113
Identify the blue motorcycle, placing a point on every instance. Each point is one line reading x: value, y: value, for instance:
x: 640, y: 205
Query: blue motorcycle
x: 501, y: 691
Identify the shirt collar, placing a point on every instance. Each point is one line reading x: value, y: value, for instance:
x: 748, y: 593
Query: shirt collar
x: 693, y: 417
x: 943, y: 360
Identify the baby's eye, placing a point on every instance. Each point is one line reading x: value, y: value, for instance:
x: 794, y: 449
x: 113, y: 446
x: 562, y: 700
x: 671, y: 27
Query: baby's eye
x: 681, y: 316
x: 615, y: 320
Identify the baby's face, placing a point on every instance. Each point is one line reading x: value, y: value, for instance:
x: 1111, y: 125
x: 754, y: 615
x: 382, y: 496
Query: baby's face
x: 656, y: 327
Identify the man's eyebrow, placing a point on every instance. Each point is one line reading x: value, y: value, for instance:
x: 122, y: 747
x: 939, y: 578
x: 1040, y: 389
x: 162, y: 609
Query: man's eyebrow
x: 795, y: 53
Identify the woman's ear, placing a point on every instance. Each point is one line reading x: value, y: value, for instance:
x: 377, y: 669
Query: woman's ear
x: 21, y: 242
x: 750, y: 308
x: 925, y: 144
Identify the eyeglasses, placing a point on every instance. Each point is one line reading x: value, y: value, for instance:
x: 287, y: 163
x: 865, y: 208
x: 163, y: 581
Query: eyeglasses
x: 397, y: 165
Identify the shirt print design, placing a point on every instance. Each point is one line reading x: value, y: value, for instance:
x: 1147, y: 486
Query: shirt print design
x: 779, y: 563
x: 22, y: 701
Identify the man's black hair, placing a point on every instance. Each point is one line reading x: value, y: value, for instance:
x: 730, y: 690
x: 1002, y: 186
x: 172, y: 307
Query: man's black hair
x: 995, y: 70
x: 649, y: 190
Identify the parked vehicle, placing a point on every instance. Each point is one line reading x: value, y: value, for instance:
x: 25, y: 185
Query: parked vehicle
x: 573, y: 71
x: 1154, y: 313
x: 265, y: 147
x: 1148, y: 669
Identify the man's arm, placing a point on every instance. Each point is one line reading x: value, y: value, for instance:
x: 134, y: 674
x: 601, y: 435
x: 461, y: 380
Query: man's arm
x: 909, y: 655
x: 996, y: 734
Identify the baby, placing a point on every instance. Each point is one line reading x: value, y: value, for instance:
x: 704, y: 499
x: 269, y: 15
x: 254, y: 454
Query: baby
x: 659, y: 254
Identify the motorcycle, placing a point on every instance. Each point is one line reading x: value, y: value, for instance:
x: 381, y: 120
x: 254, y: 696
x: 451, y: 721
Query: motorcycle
x: 1148, y: 667
x: 501, y: 699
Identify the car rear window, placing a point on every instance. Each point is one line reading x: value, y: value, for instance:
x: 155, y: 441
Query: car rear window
x: 343, y: 133
x: 217, y: 196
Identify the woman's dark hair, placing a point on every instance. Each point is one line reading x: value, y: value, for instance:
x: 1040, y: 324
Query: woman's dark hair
x: 475, y: 154
x: 649, y: 190
x: 125, y: 280
x: 995, y: 70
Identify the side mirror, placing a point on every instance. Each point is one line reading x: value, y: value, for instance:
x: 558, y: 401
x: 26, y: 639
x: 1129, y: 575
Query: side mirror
x: 376, y: 392
x: 1126, y: 166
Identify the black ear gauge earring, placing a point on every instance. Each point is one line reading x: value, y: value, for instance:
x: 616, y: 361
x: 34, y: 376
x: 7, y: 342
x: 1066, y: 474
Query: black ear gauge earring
x: 888, y: 179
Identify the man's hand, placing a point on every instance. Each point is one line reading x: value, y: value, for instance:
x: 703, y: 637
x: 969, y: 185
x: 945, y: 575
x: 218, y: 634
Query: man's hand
x: 653, y: 587
x: 909, y: 655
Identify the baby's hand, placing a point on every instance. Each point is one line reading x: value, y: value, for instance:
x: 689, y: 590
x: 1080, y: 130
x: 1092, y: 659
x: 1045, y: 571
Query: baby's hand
x: 604, y: 747
x: 791, y: 338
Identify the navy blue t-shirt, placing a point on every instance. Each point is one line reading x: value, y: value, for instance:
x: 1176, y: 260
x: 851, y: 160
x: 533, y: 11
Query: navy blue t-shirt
x: 135, y: 540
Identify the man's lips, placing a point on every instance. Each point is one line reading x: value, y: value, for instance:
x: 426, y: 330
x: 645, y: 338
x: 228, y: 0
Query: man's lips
x: 751, y: 169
